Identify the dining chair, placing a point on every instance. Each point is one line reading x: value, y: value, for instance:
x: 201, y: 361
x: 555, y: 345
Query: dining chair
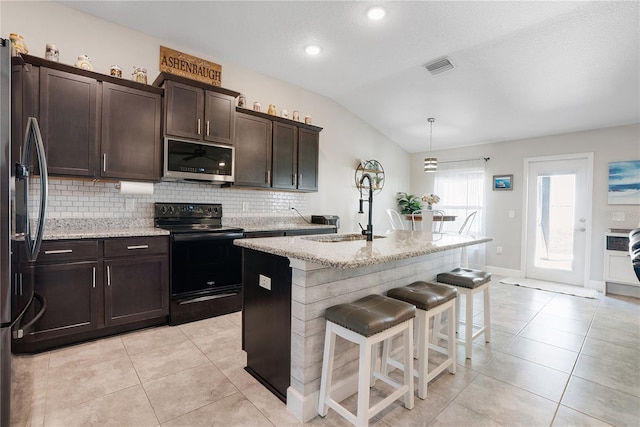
x: 466, y: 226
x: 395, y: 219
x: 437, y: 225
x: 468, y: 222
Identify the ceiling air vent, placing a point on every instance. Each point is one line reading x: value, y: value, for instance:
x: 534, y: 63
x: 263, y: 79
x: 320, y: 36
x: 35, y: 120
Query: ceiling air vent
x: 439, y: 66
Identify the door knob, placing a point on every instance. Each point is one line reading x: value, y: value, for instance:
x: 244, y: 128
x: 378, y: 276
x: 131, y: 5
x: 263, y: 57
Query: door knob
x: 581, y: 229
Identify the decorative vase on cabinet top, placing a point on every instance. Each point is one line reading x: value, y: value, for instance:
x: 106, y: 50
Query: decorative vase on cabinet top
x: 84, y: 62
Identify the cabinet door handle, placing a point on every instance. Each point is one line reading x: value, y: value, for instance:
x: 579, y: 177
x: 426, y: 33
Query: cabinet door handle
x: 94, y: 277
x: 293, y: 179
x: 104, y: 162
x: 268, y: 176
x: 58, y: 251
x: 208, y: 128
x: 300, y: 180
x: 138, y: 247
x: 108, y: 275
x: 198, y: 126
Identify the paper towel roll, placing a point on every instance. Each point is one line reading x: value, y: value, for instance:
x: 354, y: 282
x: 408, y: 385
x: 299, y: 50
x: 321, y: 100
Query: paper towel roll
x: 127, y: 187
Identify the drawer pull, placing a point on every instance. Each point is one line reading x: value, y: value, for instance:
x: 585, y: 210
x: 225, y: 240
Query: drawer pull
x: 94, y: 277
x: 108, y: 275
x: 138, y: 247
x: 58, y: 251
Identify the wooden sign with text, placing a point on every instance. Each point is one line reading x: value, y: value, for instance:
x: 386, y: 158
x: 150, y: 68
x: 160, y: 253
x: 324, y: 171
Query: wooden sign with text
x: 190, y: 67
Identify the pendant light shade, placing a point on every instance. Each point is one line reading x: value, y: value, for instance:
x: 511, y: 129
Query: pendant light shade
x: 430, y: 163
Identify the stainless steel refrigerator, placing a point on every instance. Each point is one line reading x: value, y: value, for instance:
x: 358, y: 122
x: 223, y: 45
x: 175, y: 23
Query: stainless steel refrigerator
x: 20, y: 306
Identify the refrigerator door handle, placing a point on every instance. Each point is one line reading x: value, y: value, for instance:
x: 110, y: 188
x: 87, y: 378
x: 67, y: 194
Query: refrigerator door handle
x: 21, y: 329
x: 33, y: 136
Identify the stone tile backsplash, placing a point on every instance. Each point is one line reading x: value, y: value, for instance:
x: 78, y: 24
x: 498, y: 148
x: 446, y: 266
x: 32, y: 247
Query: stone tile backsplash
x: 73, y: 198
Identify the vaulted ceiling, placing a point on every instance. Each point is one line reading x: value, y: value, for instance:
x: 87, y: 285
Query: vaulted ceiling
x: 522, y: 68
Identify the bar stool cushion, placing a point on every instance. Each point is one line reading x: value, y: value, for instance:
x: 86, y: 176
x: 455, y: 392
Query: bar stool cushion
x: 423, y: 295
x: 371, y: 314
x: 464, y: 277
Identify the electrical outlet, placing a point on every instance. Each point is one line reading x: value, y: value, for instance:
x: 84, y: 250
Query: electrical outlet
x: 129, y: 205
x: 499, y: 250
x: 264, y: 282
x: 245, y: 206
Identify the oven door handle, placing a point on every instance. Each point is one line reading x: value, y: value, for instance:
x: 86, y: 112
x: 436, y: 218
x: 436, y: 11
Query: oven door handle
x: 193, y: 237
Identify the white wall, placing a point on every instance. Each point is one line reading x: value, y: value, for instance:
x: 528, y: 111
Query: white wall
x: 344, y: 141
x: 608, y: 145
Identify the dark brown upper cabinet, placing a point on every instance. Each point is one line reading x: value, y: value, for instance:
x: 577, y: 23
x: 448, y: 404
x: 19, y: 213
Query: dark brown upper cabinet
x: 308, y: 151
x: 253, y: 151
x: 198, y: 111
x: 276, y: 152
x: 130, y: 145
x: 285, y: 147
x: 92, y: 125
x: 68, y: 122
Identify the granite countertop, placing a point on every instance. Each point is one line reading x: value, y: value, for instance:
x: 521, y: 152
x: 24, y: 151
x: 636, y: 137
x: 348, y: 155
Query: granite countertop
x: 101, y: 228
x: 253, y: 224
x: 97, y: 228
x: 394, y: 246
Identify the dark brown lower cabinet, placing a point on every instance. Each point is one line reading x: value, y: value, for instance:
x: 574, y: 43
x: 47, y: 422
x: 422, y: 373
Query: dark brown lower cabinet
x: 137, y: 289
x: 89, y: 295
x: 72, y: 297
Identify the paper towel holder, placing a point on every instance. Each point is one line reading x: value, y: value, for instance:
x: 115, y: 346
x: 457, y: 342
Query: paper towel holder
x: 130, y: 187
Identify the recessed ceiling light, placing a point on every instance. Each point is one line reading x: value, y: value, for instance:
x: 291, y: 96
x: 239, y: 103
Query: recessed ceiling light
x: 376, y: 13
x: 312, y: 49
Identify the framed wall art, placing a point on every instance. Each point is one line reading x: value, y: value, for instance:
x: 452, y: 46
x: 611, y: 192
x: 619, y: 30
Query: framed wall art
x: 624, y: 183
x: 502, y: 182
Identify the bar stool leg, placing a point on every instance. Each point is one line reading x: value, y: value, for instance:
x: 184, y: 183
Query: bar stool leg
x: 487, y: 315
x: 458, y: 312
x: 364, y: 376
x: 327, y: 369
x: 451, y: 339
x: 408, y: 361
x: 468, y: 325
x: 423, y: 361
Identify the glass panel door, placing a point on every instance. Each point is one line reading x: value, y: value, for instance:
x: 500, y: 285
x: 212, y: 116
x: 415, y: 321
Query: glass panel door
x: 556, y: 226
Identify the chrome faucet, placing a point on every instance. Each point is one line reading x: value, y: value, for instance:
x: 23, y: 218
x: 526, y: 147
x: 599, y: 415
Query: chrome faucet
x: 369, y: 231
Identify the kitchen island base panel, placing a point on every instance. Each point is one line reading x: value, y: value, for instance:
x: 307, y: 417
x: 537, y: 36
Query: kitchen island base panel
x: 314, y: 288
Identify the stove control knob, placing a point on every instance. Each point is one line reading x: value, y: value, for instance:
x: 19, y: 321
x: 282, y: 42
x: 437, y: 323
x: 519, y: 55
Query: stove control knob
x: 163, y: 210
x: 209, y: 210
x: 171, y: 210
x: 215, y: 210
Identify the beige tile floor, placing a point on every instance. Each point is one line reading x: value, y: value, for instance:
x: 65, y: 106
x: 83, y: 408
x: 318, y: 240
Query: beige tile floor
x: 554, y: 360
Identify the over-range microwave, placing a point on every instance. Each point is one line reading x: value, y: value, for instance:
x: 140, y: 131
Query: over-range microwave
x: 201, y: 161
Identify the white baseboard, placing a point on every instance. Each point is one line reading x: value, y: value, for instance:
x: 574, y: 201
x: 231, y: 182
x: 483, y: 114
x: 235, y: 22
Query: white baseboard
x: 598, y: 285
x: 305, y: 408
x: 624, y: 290
x: 506, y: 272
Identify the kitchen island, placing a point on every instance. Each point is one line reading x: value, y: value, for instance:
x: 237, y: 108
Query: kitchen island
x: 290, y: 281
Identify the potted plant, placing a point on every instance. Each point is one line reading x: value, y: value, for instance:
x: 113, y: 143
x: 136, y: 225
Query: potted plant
x: 408, y: 203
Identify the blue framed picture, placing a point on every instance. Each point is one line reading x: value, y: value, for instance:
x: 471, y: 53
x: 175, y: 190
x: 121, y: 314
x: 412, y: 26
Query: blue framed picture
x: 502, y: 182
x: 624, y: 183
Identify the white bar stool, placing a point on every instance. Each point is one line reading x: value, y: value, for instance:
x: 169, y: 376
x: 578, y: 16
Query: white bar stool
x: 431, y: 300
x: 367, y: 322
x: 469, y: 282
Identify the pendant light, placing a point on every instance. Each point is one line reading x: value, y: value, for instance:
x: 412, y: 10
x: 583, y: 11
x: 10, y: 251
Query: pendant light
x: 430, y: 163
